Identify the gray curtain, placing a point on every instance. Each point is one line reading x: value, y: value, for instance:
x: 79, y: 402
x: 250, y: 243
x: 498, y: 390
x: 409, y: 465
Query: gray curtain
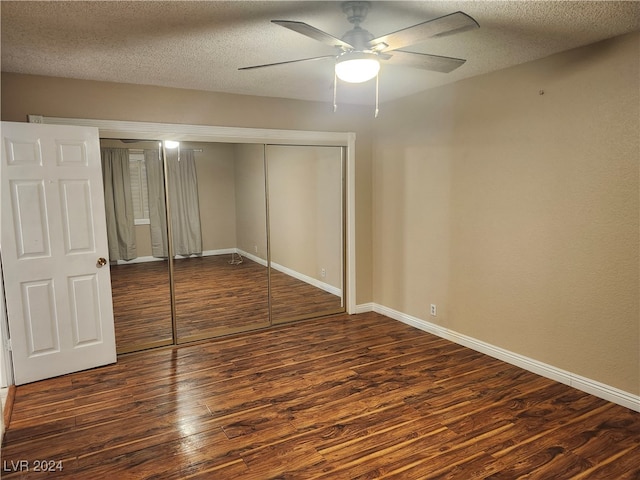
x: 157, y: 210
x: 118, y: 203
x: 183, y: 201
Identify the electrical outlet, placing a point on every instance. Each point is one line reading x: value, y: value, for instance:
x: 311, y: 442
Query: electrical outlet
x: 255, y: 248
x: 433, y: 310
x: 323, y: 272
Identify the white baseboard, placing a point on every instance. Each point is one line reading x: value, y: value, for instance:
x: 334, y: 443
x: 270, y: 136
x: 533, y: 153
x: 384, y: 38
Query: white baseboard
x: 292, y: 273
x: 139, y: 260
x: 584, y: 384
x: 228, y: 251
x: 306, y: 279
x: 252, y: 257
x: 220, y: 251
x: 364, y: 307
x: 205, y: 253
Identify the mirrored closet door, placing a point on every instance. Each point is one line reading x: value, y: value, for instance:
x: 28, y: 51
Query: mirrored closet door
x: 306, y: 231
x: 224, y: 238
x: 133, y: 178
x: 217, y: 205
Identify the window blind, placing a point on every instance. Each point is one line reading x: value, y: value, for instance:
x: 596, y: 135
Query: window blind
x: 139, y: 190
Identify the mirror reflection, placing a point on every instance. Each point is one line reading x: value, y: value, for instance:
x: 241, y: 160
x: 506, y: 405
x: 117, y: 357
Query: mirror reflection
x: 218, y: 218
x: 256, y: 235
x: 306, y: 231
x: 139, y: 273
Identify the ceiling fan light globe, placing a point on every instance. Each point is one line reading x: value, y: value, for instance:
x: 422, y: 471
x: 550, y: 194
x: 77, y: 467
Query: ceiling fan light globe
x: 357, y: 70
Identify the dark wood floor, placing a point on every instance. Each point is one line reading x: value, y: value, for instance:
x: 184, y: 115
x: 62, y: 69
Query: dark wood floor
x: 141, y: 304
x: 213, y: 298
x: 358, y: 396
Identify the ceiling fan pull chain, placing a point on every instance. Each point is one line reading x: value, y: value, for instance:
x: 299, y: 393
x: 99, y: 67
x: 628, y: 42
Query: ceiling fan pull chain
x: 335, y: 89
x: 377, y: 109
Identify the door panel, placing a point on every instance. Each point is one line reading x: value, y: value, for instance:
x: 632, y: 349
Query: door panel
x: 30, y: 218
x: 83, y: 291
x: 53, y: 233
x: 77, y: 222
x: 40, y: 317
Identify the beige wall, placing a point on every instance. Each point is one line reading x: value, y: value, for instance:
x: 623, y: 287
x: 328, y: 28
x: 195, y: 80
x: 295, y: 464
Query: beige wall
x: 251, y: 224
x: 216, y: 194
x: 58, y: 97
x: 305, y: 210
x: 518, y: 213
x: 305, y: 207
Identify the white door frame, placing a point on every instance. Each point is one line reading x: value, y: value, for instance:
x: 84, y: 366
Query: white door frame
x: 207, y: 133
x: 6, y: 366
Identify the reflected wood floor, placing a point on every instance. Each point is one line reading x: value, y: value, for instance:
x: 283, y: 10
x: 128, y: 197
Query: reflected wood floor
x: 345, y: 397
x: 213, y: 298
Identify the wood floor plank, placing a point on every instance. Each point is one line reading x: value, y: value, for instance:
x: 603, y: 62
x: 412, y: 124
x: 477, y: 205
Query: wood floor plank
x: 202, y: 453
x: 620, y: 464
x: 342, y: 397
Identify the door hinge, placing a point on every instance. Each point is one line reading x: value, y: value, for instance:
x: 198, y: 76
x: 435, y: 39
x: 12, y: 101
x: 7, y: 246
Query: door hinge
x: 7, y: 345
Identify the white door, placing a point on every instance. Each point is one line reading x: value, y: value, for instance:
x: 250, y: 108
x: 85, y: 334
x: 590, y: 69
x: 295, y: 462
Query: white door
x: 54, y: 249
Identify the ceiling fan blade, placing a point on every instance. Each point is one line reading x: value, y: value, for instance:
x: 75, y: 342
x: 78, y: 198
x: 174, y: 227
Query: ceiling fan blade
x: 312, y: 32
x: 438, y: 27
x: 288, y: 61
x: 424, y: 61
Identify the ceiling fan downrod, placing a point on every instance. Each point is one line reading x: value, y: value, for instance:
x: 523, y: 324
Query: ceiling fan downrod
x: 358, y: 38
x: 356, y: 12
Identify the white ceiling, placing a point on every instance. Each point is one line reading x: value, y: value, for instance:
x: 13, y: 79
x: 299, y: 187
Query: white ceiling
x: 201, y: 45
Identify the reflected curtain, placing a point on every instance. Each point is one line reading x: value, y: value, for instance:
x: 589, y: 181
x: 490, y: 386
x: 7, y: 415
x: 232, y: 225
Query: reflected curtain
x: 183, y: 201
x: 157, y: 209
x: 118, y: 203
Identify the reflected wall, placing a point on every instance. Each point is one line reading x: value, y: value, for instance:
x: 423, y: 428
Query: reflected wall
x: 306, y: 230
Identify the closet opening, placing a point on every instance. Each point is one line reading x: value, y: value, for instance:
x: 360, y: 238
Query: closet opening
x: 218, y: 238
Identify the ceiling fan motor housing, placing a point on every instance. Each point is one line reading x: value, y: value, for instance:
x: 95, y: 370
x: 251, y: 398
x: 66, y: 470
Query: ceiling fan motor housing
x: 358, y: 37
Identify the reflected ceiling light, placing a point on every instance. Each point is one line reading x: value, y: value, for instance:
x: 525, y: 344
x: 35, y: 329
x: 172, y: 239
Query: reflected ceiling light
x: 357, y: 67
x: 171, y: 144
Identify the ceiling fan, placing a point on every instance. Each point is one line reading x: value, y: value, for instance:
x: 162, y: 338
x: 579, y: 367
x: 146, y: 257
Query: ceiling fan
x: 359, y: 53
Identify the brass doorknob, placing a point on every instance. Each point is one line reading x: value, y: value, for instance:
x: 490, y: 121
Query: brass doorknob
x: 101, y: 262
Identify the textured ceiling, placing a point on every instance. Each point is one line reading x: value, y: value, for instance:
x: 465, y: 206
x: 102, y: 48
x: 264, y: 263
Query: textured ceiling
x: 201, y: 45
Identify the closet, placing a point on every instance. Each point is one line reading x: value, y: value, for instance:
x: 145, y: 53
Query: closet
x: 225, y: 237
